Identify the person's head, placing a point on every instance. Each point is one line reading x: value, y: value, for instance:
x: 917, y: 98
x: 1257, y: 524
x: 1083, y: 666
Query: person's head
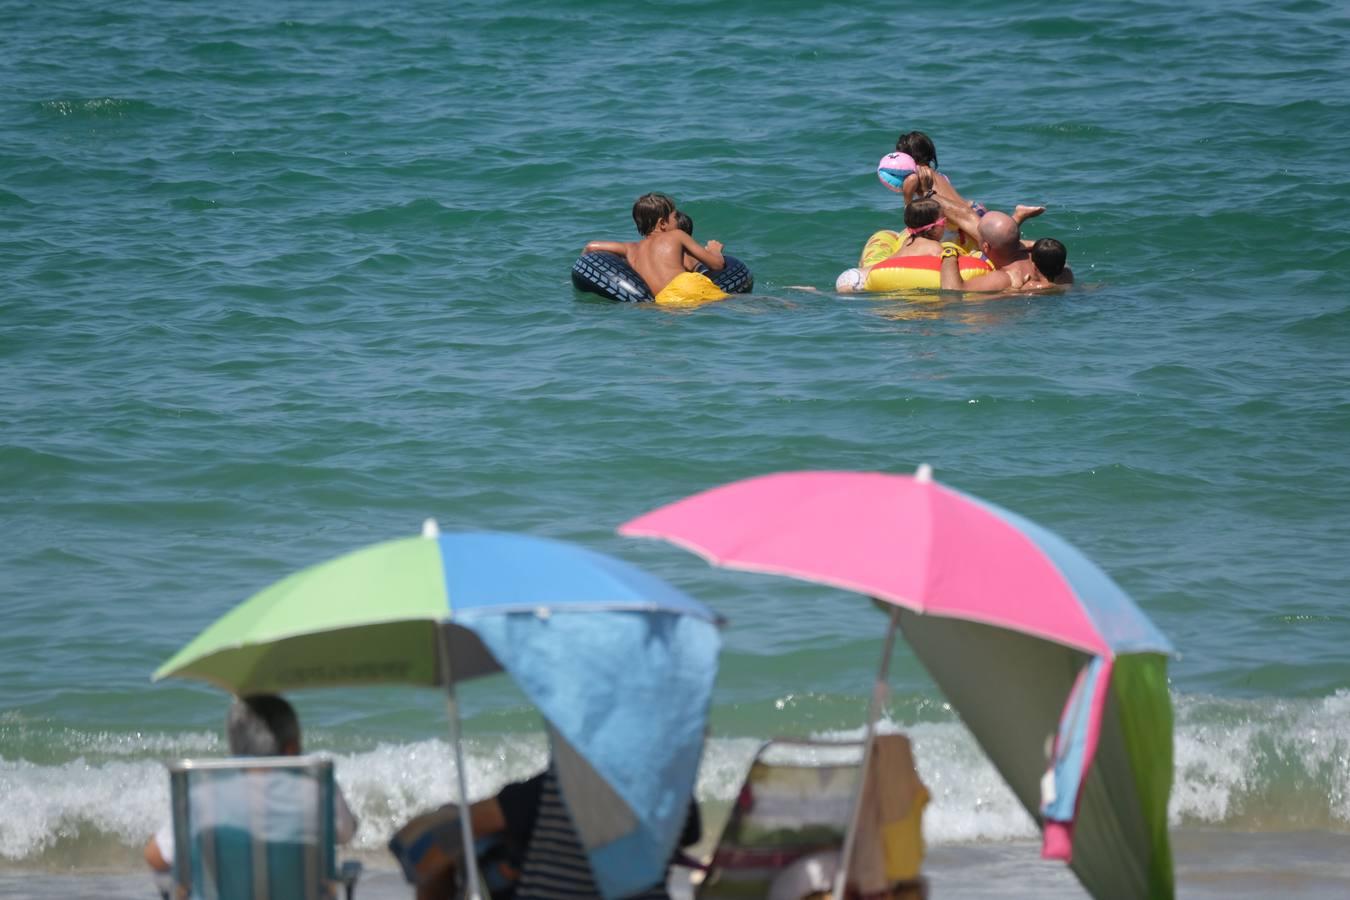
x: 651, y: 210
x: 924, y: 218
x: 1000, y: 237
x: 684, y: 223
x: 262, y: 725
x: 1049, y: 257
x: 918, y: 145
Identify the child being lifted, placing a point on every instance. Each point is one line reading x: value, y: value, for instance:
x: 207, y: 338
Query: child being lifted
x: 659, y: 257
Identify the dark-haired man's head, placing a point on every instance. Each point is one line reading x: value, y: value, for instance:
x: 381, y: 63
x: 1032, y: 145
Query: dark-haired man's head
x: 262, y: 725
x: 684, y: 223
x: 650, y: 210
x: 919, y: 146
x: 1049, y: 257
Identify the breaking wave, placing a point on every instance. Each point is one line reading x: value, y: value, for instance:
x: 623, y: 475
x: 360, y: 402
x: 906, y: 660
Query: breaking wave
x: 1243, y: 764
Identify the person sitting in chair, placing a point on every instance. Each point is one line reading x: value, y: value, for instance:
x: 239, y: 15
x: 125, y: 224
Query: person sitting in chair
x: 544, y: 857
x: 258, y: 725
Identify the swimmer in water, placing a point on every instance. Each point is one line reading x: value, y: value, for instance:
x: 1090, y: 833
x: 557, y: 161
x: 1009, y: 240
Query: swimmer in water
x: 912, y: 171
x: 1016, y: 267
x: 659, y: 257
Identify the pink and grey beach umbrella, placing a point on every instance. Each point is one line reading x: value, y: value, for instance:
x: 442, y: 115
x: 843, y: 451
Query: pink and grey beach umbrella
x: 1032, y: 644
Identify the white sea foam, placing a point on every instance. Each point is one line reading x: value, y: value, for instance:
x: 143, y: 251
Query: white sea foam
x: 1278, y: 764
x: 1282, y: 763
x: 45, y: 806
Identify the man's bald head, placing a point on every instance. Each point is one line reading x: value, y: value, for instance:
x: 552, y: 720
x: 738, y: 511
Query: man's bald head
x: 1001, y: 232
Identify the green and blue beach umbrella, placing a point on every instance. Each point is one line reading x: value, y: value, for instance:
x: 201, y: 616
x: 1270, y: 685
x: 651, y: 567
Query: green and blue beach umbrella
x: 619, y: 663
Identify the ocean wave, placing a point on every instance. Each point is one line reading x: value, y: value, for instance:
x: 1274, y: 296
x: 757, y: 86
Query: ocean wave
x: 8, y: 198
x: 102, y: 108
x: 1273, y: 765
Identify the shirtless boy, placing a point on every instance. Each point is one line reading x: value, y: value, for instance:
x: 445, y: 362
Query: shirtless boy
x: 659, y: 258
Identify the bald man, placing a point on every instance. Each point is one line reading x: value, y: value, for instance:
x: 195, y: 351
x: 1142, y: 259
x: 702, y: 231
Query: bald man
x: 1015, y: 269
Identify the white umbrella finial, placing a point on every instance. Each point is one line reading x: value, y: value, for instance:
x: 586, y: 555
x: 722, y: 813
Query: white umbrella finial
x: 923, y: 474
x: 430, y: 529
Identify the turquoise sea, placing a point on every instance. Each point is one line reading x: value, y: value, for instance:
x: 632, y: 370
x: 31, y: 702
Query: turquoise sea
x: 283, y: 279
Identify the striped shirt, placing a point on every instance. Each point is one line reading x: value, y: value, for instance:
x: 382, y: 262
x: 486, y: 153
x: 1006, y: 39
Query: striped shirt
x: 555, y: 865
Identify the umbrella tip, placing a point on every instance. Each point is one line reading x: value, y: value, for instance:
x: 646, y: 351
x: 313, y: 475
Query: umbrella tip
x: 923, y: 474
x: 430, y: 529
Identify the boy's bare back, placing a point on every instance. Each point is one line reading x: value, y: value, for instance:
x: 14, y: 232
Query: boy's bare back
x: 659, y: 257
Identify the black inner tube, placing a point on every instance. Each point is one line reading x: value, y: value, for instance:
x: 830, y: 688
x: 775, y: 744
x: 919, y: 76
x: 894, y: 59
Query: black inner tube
x: 609, y: 275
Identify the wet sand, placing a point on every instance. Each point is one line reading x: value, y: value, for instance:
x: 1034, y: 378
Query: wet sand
x: 1210, y: 864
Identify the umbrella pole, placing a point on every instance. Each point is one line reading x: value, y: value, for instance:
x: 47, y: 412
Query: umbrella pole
x: 879, y: 691
x: 473, y: 885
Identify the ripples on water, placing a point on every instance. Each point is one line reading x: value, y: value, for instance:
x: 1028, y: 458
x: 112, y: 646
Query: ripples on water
x: 277, y: 286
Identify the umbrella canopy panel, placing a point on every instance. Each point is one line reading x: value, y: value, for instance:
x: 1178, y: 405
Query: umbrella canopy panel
x: 377, y: 606
x: 628, y: 693
x: 1009, y: 690
x: 916, y: 543
x: 495, y: 572
x: 379, y: 653
x: 1124, y: 799
x: 370, y: 616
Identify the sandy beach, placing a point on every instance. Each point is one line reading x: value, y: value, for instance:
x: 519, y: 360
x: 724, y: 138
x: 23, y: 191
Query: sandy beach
x: 1210, y: 864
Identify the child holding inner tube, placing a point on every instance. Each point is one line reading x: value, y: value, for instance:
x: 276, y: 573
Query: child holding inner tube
x: 660, y: 257
x: 686, y: 224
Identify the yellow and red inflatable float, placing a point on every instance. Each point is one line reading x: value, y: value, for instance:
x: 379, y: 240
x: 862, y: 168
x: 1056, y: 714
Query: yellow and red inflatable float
x: 879, y: 269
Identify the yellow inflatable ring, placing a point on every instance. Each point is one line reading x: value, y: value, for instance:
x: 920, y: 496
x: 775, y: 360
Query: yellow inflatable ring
x: 889, y: 272
x: 907, y: 272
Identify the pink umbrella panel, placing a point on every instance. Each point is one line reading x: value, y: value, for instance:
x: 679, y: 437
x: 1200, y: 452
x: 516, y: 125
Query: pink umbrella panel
x: 913, y: 542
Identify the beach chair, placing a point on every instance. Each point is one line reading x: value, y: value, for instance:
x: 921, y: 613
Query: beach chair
x: 260, y: 828
x: 785, y: 834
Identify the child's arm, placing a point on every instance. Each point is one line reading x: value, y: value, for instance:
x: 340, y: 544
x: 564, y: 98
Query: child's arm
x: 618, y: 248
x: 710, y: 256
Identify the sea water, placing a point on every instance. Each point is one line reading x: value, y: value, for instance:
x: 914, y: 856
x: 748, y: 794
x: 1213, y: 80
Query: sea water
x: 280, y: 280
